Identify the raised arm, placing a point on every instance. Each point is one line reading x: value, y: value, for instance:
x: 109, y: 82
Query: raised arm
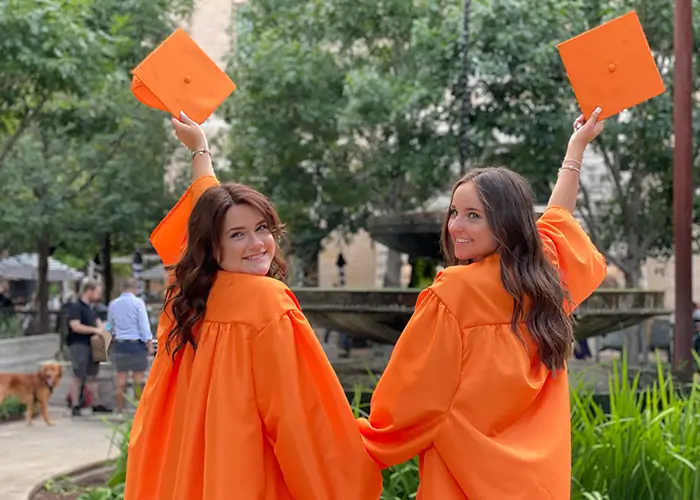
x: 565, y: 190
x: 566, y: 244
x: 307, y: 417
x: 193, y: 137
x: 169, y: 237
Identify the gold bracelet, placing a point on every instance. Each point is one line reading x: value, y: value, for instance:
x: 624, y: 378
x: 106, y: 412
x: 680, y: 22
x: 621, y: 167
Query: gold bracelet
x: 570, y: 167
x: 571, y: 160
x: 201, y: 152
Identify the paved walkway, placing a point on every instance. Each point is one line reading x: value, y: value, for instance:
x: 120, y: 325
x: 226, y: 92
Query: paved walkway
x: 30, y: 455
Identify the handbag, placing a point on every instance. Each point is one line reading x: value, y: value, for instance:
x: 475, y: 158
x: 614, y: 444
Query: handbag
x: 99, y: 346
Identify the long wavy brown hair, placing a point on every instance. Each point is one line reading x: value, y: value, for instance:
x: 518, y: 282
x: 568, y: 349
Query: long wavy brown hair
x: 194, y: 275
x: 540, y: 298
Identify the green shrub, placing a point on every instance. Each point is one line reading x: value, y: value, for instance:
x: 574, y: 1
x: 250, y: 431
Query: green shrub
x: 11, y: 409
x: 10, y: 325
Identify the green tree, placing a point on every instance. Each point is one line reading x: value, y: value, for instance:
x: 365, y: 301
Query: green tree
x: 47, y: 51
x: 524, y: 94
x: 88, y: 168
x: 401, y: 119
x: 343, y: 109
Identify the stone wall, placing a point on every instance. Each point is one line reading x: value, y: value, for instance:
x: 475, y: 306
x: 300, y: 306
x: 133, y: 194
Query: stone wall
x: 22, y: 354
x: 27, y: 354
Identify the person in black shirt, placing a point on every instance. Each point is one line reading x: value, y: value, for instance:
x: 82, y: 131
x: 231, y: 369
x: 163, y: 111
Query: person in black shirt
x: 83, y: 322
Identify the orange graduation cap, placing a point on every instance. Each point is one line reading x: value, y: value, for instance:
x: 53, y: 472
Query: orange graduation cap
x: 611, y: 66
x: 179, y: 76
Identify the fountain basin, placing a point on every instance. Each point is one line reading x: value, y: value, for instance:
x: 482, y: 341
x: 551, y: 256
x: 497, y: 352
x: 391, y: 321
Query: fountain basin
x: 382, y: 314
x: 416, y: 234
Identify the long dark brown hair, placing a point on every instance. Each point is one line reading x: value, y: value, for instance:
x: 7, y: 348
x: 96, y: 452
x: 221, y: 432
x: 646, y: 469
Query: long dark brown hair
x: 540, y: 298
x: 194, y: 275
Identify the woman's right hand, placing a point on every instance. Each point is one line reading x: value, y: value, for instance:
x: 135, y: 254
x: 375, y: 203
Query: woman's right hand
x: 189, y: 133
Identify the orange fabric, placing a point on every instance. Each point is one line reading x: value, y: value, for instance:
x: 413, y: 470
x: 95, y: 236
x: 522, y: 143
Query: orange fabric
x: 179, y: 76
x: 170, y: 235
x: 487, y: 419
x: 257, y: 414
x: 611, y: 66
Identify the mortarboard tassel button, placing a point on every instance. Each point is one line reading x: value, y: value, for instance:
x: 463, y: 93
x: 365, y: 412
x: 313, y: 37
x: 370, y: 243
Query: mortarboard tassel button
x: 612, y: 68
x: 188, y: 79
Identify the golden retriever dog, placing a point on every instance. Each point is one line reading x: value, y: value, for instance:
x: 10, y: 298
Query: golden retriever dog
x: 32, y: 388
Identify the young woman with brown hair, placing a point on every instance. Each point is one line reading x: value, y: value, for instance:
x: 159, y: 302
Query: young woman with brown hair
x: 477, y: 384
x: 241, y: 401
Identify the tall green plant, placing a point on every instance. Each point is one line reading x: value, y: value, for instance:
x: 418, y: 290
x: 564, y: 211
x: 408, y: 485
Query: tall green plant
x: 646, y: 448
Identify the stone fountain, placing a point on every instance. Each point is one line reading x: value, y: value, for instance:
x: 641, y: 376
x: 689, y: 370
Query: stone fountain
x: 381, y: 314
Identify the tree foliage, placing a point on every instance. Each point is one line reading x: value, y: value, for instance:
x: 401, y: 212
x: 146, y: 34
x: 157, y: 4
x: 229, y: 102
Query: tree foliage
x: 82, y: 160
x: 524, y: 94
x: 343, y: 109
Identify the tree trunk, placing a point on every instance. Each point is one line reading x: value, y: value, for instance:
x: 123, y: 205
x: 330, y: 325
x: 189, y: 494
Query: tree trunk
x: 634, y: 341
x: 633, y: 275
x: 42, y: 286
x: 107, y: 268
x: 466, y: 94
x: 392, y: 274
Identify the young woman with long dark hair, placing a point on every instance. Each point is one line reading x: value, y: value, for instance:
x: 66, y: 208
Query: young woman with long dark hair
x: 241, y: 401
x: 477, y: 383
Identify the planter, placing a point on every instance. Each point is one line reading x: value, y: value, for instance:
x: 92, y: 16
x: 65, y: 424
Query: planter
x: 70, y: 485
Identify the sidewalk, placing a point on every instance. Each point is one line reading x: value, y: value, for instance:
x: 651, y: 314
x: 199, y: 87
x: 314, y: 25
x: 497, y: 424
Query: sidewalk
x: 30, y: 455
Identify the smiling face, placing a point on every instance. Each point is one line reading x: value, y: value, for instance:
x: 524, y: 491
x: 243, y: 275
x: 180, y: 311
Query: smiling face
x: 234, y: 228
x: 247, y: 243
x: 467, y: 225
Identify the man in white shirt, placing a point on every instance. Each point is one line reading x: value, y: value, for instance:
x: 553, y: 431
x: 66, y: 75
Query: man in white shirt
x: 133, y: 340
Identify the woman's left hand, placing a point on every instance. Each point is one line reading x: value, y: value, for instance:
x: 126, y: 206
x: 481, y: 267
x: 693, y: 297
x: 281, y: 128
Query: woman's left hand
x: 586, y: 130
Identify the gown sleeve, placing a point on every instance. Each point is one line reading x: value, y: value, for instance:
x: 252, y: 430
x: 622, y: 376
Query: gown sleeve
x: 416, y: 391
x: 170, y: 235
x: 307, y: 417
x: 566, y: 244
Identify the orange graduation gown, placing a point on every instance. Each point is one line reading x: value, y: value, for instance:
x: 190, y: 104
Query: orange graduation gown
x: 257, y: 413
x: 487, y: 419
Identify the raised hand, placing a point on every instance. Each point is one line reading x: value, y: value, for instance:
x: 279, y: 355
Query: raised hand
x: 586, y: 130
x: 189, y: 133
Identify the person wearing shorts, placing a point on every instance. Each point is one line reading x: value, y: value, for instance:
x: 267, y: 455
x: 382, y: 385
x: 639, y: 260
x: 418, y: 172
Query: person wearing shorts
x: 133, y: 340
x: 83, y: 322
